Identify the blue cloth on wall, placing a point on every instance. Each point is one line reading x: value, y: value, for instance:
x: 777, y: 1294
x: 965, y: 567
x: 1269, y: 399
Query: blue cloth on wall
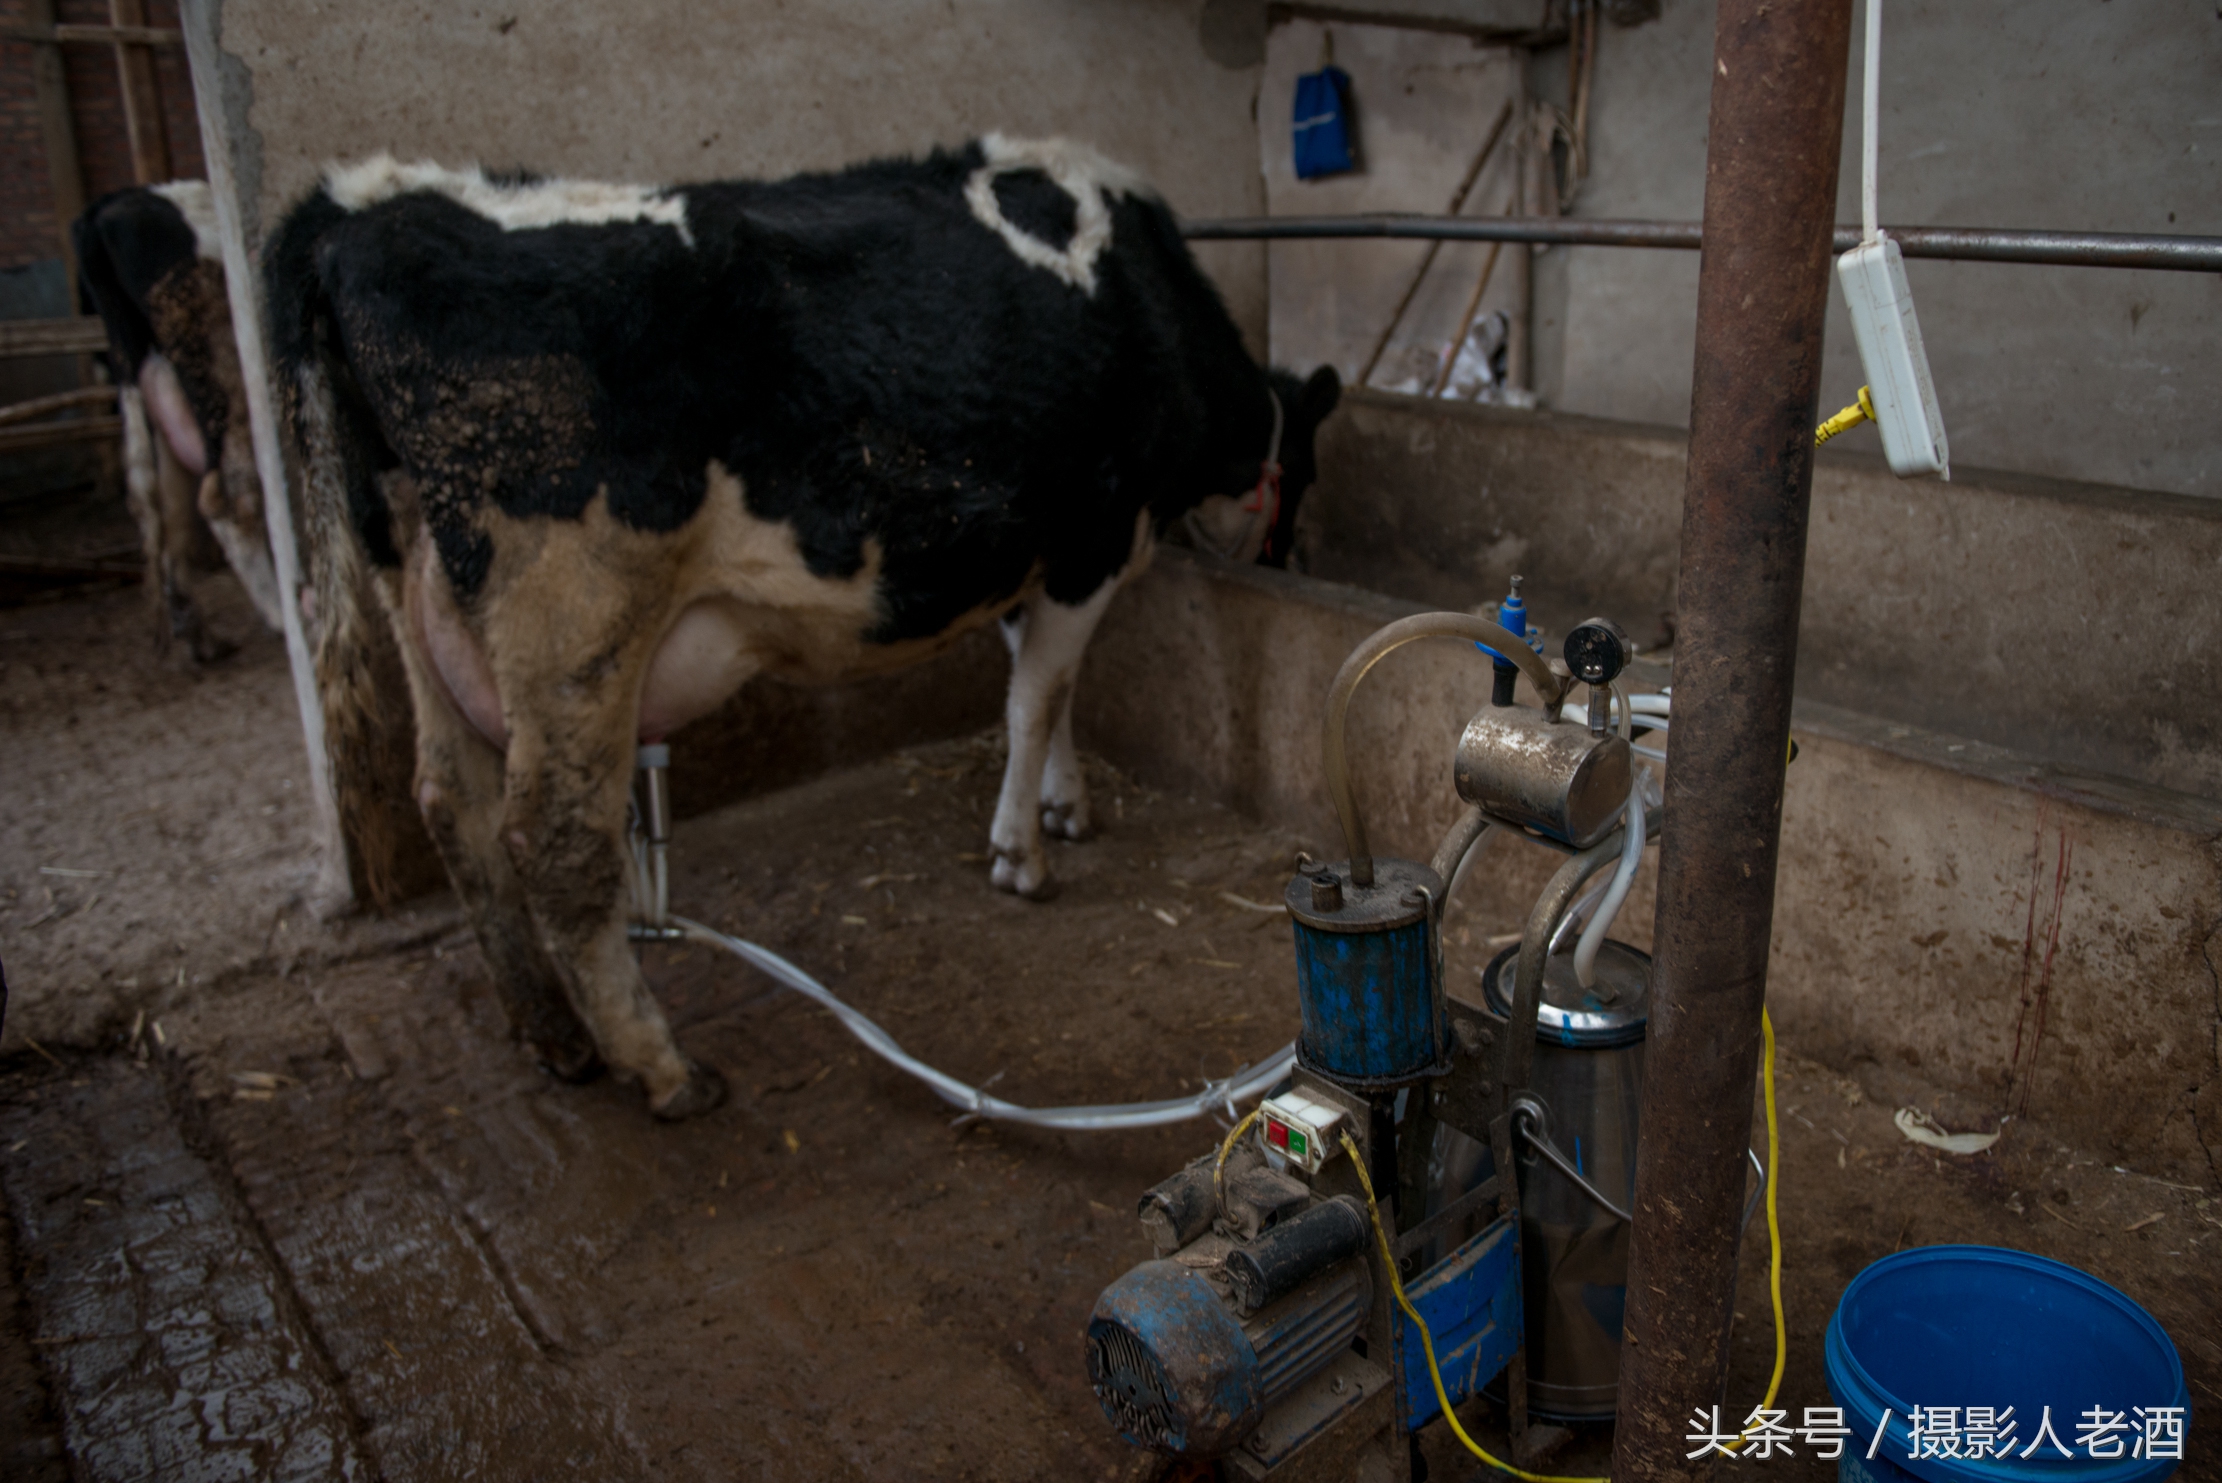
x: 1323, y: 143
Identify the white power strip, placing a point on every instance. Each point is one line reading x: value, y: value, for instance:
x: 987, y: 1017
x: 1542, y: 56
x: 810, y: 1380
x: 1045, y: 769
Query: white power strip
x: 1899, y: 395
x: 1889, y: 339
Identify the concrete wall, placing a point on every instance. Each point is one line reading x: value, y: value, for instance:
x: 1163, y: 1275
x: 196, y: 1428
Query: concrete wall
x: 1427, y: 104
x: 668, y: 92
x: 2080, y: 624
x: 2030, y: 945
x: 2048, y: 113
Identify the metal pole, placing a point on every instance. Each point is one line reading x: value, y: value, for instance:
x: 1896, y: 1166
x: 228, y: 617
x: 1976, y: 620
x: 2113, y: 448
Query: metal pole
x: 222, y: 124
x: 1770, y: 191
x: 1958, y: 244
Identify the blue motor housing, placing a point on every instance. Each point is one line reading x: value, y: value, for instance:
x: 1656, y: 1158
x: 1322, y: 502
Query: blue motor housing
x: 1170, y: 1363
x: 1177, y: 1370
x: 1369, y: 975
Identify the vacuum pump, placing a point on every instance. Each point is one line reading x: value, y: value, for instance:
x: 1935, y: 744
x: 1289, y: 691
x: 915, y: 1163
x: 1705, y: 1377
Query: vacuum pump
x: 1350, y: 1259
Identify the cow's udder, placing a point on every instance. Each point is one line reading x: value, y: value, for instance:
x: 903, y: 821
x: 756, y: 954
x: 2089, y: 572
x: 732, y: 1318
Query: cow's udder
x: 172, y: 415
x: 702, y: 660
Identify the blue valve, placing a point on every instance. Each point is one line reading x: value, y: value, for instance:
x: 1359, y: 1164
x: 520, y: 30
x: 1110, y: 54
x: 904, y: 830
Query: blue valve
x: 1512, y: 613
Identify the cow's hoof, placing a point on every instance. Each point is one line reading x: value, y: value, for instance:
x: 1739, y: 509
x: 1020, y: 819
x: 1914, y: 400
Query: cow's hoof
x: 1068, y: 821
x: 570, y: 1064
x: 1023, y: 877
x: 703, y: 1091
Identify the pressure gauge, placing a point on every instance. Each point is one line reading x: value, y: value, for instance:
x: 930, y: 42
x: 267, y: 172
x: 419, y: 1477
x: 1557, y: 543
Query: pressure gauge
x: 1598, y: 651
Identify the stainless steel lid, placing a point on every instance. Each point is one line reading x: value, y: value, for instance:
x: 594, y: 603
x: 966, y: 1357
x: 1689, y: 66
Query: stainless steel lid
x: 1612, y: 1011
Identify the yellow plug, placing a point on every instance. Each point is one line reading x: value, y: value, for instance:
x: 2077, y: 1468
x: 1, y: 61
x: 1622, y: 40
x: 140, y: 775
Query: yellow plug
x: 1846, y: 420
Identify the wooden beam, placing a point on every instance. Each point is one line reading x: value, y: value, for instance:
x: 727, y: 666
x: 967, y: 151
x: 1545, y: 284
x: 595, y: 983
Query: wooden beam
x: 60, y: 401
x: 142, y: 100
x: 60, y: 434
x: 43, y: 33
x: 77, y: 335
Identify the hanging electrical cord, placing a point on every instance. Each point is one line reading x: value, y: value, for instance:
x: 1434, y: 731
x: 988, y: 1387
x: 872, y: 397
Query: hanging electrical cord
x: 1870, y: 225
x: 1774, y: 1224
x: 1870, y: 126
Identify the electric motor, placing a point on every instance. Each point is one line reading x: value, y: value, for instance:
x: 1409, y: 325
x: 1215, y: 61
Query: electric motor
x: 1178, y: 1368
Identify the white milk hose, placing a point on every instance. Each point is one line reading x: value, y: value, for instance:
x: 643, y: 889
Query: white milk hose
x: 1216, y: 1096
x: 1653, y: 709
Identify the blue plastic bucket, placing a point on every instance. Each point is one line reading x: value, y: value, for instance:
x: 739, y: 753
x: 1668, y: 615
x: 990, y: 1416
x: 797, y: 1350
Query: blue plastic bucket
x: 1962, y: 1326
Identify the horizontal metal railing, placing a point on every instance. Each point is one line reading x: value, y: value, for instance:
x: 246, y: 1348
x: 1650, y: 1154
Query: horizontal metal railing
x: 1960, y: 244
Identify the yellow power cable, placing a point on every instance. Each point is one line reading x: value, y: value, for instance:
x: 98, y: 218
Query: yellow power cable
x: 1219, y: 1166
x: 1427, y: 1339
x: 1774, y: 1226
x: 1860, y: 411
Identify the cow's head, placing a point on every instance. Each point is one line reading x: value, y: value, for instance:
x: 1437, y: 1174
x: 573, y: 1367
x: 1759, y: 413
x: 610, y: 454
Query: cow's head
x: 1273, y: 468
x: 1304, y: 406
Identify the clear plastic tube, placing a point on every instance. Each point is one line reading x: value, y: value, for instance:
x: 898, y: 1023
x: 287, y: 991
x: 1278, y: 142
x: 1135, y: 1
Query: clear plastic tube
x: 1215, y: 1097
x: 1578, y: 913
x: 1379, y: 646
x: 1466, y: 862
x: 1458, y: 845
x: 1650, y: 710
x: 1631, y: 855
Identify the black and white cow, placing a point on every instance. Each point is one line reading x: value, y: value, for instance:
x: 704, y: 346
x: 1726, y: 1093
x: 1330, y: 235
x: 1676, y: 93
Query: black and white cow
x: 605, y: 452
x: 147, y: 258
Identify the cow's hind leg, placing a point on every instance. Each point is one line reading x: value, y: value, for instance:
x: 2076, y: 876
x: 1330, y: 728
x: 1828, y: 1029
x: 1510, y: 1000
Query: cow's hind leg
x: 187, y: 547
x: 1047, y: 640
x: 573, y: 712
x: 143, y: 492
x: 1065, y: 810
x: 459, y: 791
x: 564, y: 828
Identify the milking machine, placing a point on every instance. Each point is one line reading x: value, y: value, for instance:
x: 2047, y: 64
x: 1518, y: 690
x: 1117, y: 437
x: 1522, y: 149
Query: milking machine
x: 1353, y: 1261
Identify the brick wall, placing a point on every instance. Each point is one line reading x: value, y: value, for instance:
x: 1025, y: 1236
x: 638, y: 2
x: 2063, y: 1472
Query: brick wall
x: 28, y: 231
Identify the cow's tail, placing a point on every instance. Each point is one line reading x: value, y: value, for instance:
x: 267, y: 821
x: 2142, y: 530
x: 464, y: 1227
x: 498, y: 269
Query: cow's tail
x: 332, y: 444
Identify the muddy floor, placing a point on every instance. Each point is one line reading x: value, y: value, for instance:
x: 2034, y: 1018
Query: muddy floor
x: 284, y: 1200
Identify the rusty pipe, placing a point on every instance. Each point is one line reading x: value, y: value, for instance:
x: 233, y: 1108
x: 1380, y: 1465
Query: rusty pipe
x: 1774, y: 135
x: 1465, y: 833
x: 2178, y: 252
